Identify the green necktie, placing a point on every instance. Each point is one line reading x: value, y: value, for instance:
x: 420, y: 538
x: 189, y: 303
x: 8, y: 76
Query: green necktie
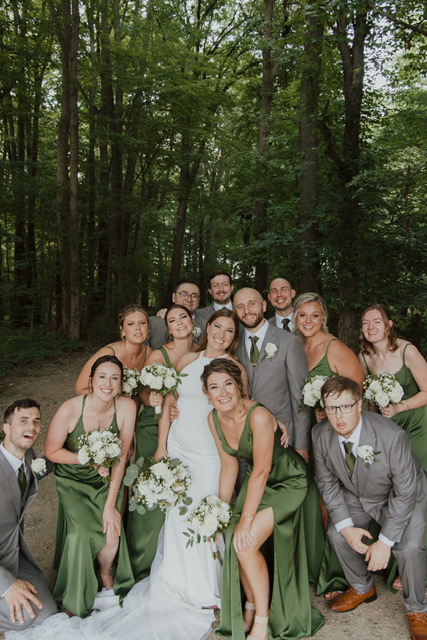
x: 285, y: 323
x: 254, y: 351
x: 349, y: 455
x: 22, y: 479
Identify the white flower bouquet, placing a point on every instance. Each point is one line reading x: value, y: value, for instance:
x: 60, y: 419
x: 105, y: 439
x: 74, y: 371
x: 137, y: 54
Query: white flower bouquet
x: 131, y: 381
x: 311, y: 391
x: 382, y: 389
x: 210, y: 517
x: 162, y: 378
x: 99, y: 448
x: 161, y: 484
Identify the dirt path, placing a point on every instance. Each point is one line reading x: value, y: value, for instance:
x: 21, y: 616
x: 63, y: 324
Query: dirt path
x: 53, y: 383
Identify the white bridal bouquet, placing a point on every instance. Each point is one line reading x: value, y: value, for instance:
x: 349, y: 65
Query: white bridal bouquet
x: 99, y: 448
x: 210, y: 517
x: 311, y: 391
x: 131, y: 381
x: 382, y: 389
x: 161, y: 378
x: 161, y: 484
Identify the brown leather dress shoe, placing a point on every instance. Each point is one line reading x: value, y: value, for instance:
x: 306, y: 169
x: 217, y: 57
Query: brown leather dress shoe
x: 351, y: 599
x: 418, y: 625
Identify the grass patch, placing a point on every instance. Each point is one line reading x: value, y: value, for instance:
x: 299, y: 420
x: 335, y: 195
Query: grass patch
x: 23, y: 347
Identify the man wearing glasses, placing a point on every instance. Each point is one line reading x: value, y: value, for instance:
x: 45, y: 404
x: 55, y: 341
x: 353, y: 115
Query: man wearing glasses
x: 186, y: 293
x: 366, y: 471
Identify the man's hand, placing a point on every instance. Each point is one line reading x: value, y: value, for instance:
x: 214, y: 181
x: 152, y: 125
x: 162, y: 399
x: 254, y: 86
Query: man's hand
x: 304, y: 453
x: 21, y: 594
x: 378, y: 555
x: 353, y: 537
x: 161, y: 313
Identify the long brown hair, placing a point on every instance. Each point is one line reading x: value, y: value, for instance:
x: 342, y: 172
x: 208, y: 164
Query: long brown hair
x: 222, y: 313
x: 391, y: 333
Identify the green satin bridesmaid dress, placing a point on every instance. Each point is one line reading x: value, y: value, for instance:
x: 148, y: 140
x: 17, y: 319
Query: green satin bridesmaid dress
x: 82, y: 494
x: 143, y: 530
x: 291, y: 614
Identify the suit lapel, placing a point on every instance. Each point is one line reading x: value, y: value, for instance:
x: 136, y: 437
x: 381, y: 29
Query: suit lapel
x: 244, y: 358
x: 10, y: 481
x: 361, y: 472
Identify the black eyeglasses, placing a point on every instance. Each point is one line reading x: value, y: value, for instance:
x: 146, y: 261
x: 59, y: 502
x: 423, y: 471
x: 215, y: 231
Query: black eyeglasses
x: 344, y: 408
x: 185, y: 294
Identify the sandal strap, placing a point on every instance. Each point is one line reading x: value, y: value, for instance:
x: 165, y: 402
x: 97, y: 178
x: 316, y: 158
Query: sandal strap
x: 261, y: 619
x: 250, y: 606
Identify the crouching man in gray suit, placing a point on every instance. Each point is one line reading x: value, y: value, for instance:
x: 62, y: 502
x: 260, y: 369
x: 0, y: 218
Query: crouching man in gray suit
x: 25, y: 598
x: 365, y: 471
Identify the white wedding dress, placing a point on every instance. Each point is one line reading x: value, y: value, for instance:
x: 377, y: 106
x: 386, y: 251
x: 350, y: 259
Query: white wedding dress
x: 168, y: 605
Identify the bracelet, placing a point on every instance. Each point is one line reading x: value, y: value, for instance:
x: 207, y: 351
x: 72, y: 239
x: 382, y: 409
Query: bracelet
x: 248, y: 515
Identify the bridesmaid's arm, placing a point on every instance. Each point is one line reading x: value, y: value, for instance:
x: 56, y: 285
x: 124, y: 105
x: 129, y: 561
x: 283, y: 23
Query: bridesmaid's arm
x: 62, y: 423
x: 164, y: 426
x: 82, y: 382
x: 126, y: 416
x: 343, y: 361
x: 229, y: 467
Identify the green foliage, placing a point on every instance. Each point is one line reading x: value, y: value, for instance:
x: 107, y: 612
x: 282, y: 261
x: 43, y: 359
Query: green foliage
x: 24, y: 348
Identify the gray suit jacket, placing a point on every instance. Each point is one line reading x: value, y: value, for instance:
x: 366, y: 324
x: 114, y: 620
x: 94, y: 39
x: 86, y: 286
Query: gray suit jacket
x: 388, y: 490
x: 277, y: 382
x: 12, y: 541
x: 159, y: 333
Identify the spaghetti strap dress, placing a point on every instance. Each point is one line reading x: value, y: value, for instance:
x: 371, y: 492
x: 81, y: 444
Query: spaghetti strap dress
x: 414, y: 422
x: 143, y: 531
x: 82, y: 495
x: 291, y: 614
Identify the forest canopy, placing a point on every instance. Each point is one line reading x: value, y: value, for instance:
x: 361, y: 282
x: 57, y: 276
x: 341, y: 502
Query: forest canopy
x: 144, y: 140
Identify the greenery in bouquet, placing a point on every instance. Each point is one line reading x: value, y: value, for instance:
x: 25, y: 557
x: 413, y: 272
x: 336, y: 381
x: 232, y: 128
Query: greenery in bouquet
x: 210, y: 518
x: 155, y: 484
x: 99, y: 448
x: 382, y: 389
x: 131, y: 381
x: 311, y: 392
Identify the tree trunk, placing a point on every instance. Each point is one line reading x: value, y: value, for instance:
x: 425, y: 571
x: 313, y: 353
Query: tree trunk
x: 308, y: 144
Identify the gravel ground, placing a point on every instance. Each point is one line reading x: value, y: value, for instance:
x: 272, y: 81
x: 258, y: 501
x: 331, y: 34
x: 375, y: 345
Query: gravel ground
x: 53, y: 383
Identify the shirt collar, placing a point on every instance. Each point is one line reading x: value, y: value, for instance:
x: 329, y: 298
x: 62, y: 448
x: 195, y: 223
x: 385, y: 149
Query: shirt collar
x: 355, y: 436
x: 14, y: 462
x: 260, y: 334
x: 217, y: 306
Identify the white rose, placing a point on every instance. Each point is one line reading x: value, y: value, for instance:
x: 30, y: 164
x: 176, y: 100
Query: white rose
x: 99, y: 457
x: 170, y: 381
x: 396, y: 394
x: 381, y: 399
x: 83, y: 455
x: 156, y: 383
x: 39, y: 466
x: 375, y: 386
x: 270, y: 349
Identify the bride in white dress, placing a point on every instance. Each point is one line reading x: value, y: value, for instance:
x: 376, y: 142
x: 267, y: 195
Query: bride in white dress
x: 177, y: 601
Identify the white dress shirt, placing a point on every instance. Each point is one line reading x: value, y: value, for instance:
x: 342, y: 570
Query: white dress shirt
x: 260, y: 334
x: 279, y: 321
x: 217, y: 306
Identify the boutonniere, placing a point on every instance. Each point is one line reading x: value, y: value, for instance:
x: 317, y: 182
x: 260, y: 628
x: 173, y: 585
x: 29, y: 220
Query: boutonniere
x: 38, y: 465
x: 270, y: 350
x: 367, y: 454
x: 197, y: 332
